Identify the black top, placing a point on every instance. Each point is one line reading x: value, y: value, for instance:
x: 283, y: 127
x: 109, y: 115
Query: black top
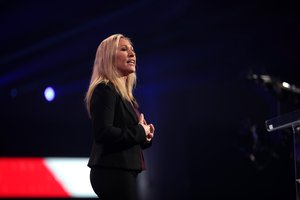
x: 118, y: 138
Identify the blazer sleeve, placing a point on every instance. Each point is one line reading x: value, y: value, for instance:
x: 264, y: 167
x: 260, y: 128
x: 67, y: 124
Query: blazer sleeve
x: 146, y: 145
x: 103, y: 108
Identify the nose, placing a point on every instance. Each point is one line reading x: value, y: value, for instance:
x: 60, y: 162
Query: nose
x: 131, y: 53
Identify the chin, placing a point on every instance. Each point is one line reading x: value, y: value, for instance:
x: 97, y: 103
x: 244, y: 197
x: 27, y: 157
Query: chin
x: 132, y: 70
x: 129, y: 72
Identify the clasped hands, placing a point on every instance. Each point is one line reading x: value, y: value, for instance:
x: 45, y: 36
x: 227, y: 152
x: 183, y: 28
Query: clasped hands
x: 149, y: 128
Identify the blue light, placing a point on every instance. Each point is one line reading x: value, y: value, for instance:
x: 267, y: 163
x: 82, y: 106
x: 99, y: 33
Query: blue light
x: 49, y: 94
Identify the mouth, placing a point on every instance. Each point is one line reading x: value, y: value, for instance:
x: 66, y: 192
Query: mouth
x: 131, y: 61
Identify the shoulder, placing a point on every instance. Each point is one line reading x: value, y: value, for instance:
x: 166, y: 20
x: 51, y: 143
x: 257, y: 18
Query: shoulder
x: 104, y: 94
x: 104, y: 97
x: 104, y: 90
x: 105, y: 87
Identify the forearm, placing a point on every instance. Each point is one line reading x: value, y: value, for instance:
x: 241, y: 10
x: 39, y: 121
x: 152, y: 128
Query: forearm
x: 127, y: 136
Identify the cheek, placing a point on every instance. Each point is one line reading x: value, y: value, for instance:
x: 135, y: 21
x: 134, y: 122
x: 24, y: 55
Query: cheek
x: 122, y: 64
x: 120, y: 59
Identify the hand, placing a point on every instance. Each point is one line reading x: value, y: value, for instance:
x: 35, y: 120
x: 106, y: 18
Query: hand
x: 144, y: 124
x: 150, y: 136
x: 149, y: 129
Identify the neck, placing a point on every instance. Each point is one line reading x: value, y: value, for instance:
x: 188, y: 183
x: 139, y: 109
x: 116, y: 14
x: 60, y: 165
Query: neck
x: 123, y: 80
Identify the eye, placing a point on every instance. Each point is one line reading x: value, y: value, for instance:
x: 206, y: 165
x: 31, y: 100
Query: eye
x: 124, y: 49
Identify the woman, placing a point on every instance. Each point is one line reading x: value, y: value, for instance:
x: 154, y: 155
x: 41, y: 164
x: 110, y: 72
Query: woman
x: 120, y: 131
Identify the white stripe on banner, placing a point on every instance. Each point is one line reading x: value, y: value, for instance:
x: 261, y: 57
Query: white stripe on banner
x: 73, y: 174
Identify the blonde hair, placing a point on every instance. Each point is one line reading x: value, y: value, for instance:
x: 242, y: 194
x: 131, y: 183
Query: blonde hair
x: 105, y: 71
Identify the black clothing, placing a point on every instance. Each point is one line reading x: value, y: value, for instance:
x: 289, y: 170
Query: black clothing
x: 114, y: 184
x: 118, y: 143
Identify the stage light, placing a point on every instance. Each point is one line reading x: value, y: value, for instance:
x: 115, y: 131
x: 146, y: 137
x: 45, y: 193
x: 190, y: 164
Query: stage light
x: 49, y: 94
x: 286, y: 85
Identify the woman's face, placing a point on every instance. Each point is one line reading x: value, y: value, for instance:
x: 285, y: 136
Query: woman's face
x: 125, y: 60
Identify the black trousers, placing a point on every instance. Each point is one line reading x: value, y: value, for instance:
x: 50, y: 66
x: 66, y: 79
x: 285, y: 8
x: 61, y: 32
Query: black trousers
x: 114, y: 184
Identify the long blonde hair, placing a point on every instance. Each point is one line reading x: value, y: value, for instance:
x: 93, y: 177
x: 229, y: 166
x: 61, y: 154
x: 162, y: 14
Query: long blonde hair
x: 105, y: 71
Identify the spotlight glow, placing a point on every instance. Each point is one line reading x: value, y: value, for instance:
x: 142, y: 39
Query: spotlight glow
x: 286, y: 85
x: 49, y: 94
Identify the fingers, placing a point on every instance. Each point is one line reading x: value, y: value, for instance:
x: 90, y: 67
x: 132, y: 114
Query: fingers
x: 148, y: 140
x: 145, y: 122
x: 149, y: 137
x: 149, y: 128
x: 152, y: 129
x: 141, y: 119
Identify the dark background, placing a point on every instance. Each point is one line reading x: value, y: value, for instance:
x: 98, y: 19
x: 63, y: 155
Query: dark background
x: 193, y: 62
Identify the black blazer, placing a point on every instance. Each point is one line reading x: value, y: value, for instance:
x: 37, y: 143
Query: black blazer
x: 118, y: 138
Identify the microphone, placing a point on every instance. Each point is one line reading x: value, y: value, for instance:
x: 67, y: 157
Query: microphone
x: 274, y: 82
x: 262, y: 78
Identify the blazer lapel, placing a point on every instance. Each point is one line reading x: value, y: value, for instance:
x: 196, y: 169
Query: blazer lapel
x: 130, y: 109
